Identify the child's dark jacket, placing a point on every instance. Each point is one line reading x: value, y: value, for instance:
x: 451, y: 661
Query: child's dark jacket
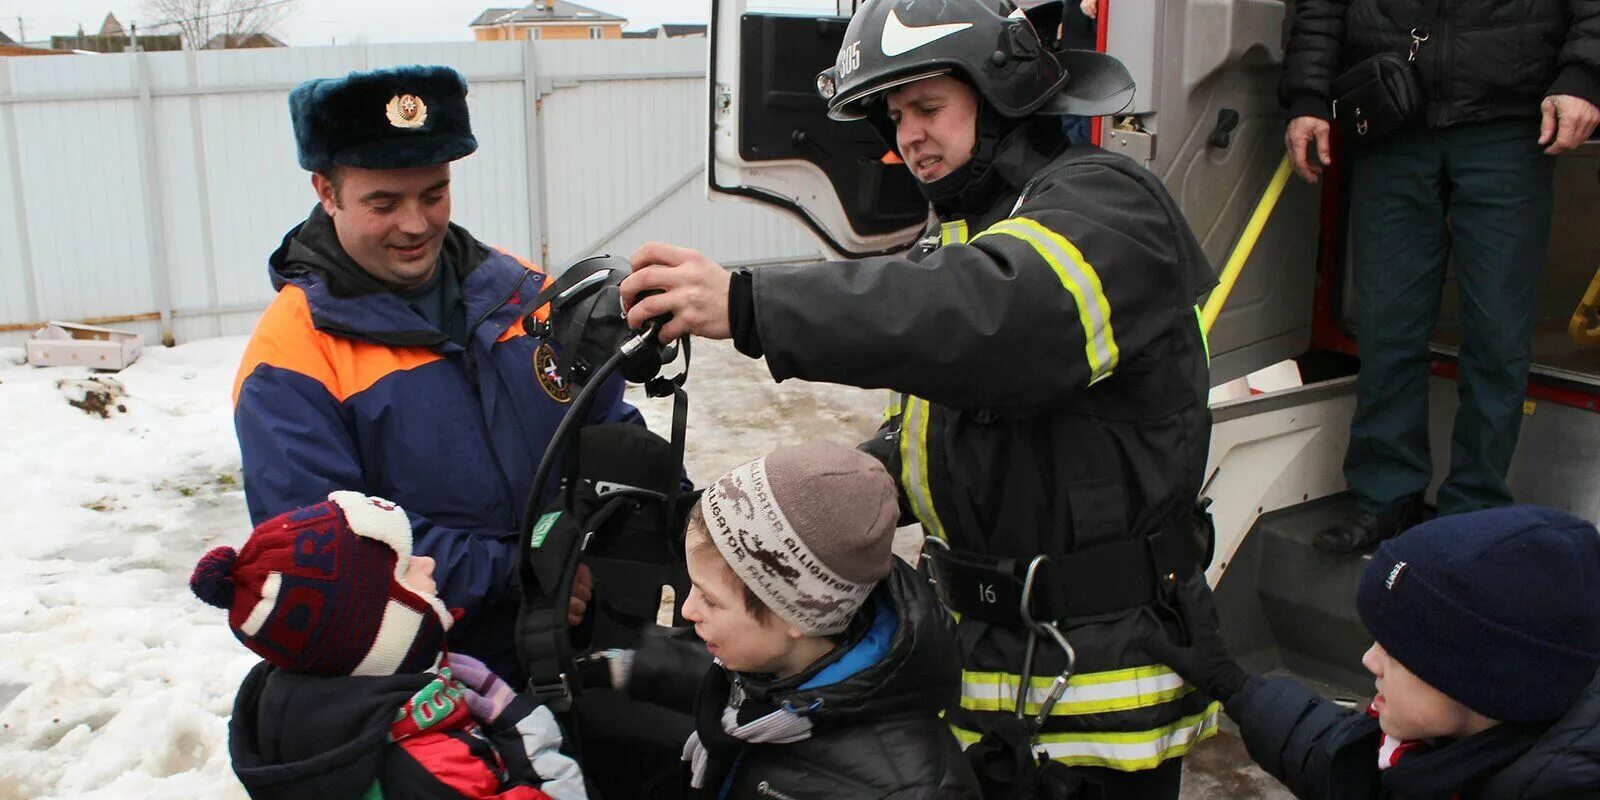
x: 1323, y: 751
x: 877, y: 729
x: 399, y: 737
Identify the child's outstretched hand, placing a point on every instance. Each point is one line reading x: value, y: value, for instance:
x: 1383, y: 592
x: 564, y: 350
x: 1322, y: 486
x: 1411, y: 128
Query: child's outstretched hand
x: 1206, y: 662
x: 487, y: 694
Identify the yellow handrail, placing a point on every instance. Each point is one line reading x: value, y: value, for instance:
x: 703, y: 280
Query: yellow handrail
x: 1247, y: 244
x: 1585, y: 325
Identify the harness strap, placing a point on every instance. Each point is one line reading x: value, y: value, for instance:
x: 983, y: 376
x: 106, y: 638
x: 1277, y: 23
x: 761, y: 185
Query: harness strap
x: 547, y: 572
x: 1114, y: 576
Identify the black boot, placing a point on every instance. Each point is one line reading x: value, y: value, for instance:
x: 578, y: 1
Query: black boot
x: 1363, y: 530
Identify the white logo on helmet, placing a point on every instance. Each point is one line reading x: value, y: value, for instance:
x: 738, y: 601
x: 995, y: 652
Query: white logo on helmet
x: 899, y: 37
x: 849, y: 60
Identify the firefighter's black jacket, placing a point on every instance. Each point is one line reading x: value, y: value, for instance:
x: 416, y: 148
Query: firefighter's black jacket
x: 1062, y: 378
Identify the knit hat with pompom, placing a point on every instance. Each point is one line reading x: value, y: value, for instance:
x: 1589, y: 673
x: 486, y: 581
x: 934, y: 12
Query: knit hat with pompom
x: 320, y: 590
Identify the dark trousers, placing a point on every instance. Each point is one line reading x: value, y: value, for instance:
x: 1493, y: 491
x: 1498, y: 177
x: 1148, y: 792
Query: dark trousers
x: 1158, y: 783
x: 1480, y: 193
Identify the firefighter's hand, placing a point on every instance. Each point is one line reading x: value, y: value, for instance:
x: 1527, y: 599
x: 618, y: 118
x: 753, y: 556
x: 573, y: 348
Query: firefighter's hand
x: 694, y: 290
x: 1567, y: 122
x: 1206, y: 662
x: 582, y: 593
x: 1303, y: 132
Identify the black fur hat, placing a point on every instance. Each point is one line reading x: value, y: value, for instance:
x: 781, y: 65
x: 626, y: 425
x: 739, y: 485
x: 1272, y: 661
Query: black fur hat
x: 382, y: 119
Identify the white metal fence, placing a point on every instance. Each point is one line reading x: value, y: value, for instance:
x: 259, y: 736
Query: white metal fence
x: 148, y: 189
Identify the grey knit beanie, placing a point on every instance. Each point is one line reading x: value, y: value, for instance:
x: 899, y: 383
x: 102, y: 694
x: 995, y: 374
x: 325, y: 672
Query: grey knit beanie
x: 808, y: 528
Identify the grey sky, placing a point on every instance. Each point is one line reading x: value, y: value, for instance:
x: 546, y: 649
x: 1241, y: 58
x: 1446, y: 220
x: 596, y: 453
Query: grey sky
x: 321, y: 21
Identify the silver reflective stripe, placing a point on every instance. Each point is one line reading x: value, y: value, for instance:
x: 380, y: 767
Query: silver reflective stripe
x: 1087, y: 693
x: 953, y: 232
x: 1128, y: 752
x: 1080, y: 280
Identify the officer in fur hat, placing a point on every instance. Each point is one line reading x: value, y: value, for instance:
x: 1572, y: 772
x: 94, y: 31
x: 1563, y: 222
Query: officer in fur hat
x: 394, y: 360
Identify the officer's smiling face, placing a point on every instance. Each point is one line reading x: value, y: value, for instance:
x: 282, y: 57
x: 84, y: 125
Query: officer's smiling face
x: 936, y: 125
x: 390, y: 221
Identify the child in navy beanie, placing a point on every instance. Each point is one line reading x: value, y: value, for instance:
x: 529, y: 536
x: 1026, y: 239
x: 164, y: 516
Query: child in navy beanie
x: 1487, y: 645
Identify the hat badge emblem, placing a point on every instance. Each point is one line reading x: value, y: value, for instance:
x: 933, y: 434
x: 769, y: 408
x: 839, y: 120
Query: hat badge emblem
x: 406, y: 111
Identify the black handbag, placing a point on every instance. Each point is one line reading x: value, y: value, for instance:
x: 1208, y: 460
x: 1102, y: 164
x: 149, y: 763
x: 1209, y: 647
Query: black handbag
x: 1376, y: 97
x: 1381, y: 93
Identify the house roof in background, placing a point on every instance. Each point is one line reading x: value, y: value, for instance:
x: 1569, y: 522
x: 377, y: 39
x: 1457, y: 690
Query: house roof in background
x: 232, y: 41
x: 544, y: 11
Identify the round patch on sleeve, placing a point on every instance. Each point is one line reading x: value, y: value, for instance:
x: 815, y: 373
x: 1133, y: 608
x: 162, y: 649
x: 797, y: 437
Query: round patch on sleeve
x: 548, y: 372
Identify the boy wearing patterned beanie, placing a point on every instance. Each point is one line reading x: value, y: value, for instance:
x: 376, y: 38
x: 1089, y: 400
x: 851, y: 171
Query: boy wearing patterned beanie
x: 355, y: 698
x: 1487, y: 629
x: 833, y: 659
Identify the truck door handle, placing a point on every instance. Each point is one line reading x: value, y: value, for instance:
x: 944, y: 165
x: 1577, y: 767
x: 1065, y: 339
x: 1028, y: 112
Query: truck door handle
x: 1222, y: 134
x: 800, y: 138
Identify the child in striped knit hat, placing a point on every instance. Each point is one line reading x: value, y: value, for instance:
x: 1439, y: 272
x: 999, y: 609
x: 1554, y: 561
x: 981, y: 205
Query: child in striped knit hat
x: 356, y: 697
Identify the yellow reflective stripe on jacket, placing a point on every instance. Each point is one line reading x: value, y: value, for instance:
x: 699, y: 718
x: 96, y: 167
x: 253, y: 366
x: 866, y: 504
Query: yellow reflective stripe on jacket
x: 914, y: 465
x: 954, y: 232
x: 896, y: 399
x: 1080, y: 279
x: 1087, y: 693
x: 1128, y: 752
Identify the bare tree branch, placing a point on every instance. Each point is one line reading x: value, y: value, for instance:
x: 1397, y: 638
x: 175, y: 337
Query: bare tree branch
x: 199, y: 21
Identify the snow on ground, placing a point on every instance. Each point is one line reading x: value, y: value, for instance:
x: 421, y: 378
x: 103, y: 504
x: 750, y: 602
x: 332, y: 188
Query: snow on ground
x: 115, y: 682
x: 123, y: 681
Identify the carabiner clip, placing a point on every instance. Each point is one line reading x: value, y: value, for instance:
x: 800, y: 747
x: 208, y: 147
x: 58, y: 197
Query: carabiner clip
x: 1058, y: 687
x: 1416, y: 44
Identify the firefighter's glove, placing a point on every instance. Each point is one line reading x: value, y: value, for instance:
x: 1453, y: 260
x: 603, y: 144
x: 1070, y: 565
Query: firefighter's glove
x: 1206, y: 662
x: 487, y: 695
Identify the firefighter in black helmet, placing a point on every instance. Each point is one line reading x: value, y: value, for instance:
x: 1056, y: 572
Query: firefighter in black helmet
x: 1049, y: 425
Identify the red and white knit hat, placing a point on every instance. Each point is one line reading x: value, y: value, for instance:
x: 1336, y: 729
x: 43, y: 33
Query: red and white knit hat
x: 321, y: 590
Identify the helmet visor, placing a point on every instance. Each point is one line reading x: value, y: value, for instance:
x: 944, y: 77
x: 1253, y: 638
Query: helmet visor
x: 854, y: 105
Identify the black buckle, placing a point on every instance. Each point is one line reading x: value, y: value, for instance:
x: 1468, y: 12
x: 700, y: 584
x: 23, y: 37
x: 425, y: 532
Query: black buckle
x: 1163, y: 561
x: 557, y: 695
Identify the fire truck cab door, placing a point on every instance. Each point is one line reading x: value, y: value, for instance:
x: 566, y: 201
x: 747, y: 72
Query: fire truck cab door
x: 771, y: 141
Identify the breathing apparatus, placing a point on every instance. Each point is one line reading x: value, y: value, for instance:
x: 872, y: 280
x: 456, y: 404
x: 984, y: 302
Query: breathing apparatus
x: 619, y: 508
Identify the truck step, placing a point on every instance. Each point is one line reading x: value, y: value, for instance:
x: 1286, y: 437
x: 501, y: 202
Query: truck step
x: 1289, y: 608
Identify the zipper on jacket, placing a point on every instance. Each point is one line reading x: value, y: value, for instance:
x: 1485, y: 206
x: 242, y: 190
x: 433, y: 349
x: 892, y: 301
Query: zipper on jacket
x: 512, y: 501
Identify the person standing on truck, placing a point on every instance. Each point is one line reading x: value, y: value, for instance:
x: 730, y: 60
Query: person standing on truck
x: 1049, y: 375
x: 1505, y: 87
